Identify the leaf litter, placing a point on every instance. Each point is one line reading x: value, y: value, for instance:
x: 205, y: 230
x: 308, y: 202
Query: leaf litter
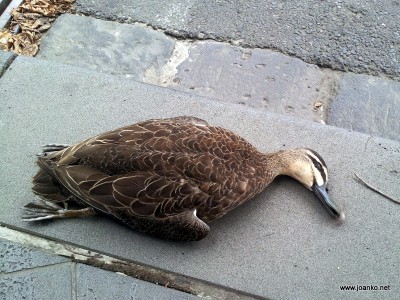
x: 29, y: 21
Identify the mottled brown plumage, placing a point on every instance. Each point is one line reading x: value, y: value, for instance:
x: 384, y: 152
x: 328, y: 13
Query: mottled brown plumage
x: 166, y: 177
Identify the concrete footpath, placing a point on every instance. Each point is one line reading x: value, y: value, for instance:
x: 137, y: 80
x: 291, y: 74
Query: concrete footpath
x: 280, y: 245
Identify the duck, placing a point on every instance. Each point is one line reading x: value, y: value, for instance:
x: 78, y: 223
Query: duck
x: 168, y: 178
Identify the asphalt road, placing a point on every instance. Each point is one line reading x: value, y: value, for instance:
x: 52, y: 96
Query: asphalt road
x: 356, y: 36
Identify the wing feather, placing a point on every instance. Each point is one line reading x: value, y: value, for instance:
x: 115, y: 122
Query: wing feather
x: 143, y: 193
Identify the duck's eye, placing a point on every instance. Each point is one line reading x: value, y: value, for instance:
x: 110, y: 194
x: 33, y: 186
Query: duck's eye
x: 318, y: 166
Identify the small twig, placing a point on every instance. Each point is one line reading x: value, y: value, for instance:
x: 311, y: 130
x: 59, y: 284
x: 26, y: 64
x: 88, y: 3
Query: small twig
x: 376, y: 190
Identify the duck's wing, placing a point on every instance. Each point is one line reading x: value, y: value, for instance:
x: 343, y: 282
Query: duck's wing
x: 158, y: 205
x: 145, y: 193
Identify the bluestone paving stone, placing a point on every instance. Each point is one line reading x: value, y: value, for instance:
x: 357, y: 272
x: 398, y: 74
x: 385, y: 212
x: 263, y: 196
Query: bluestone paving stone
x: 3, y: 5
x: 282, y: 244
x: 7, y: 6
x: 6, y: 59
x: 255, y: 77
x: 48, y: 283
x: 93, y: 283
x: 368, y: 104
x: 15, y: 257
x: 106, y: 46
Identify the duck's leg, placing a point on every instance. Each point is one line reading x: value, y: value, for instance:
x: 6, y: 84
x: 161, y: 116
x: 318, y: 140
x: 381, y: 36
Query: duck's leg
x: 42, y: 209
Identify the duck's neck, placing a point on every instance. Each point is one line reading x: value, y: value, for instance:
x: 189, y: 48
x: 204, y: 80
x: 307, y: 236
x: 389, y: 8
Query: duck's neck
x: 277, y: 163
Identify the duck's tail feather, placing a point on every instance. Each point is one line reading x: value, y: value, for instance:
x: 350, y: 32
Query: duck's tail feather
x: 41, y: 209
x: 49, y: 148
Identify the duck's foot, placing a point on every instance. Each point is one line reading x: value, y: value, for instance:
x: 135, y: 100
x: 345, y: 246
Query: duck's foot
x: 42, y: 209
x: 52, y: 148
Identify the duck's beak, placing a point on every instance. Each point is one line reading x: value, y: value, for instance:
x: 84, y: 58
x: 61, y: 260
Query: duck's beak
x: 322, y: 195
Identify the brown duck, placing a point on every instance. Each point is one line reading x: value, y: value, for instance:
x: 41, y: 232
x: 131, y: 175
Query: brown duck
x: 168, y: 177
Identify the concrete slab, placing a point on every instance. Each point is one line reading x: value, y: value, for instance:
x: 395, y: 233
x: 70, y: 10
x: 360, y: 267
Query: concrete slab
x: 106, y: 46
x: 257, y: 78
x: 48, y: 283
x: 15, y: 257
x: 367, y: 104
x: 6, y: 59
x: 352, y: 36
x: 93, y: 283
x: 280, y: 245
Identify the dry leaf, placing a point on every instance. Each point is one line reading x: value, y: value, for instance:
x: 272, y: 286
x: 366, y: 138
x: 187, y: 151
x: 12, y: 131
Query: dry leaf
x: 5, y: 35
x: 44, y: 27
x: 31, y: 18
x: 5, y: 39
x: 317, y: 104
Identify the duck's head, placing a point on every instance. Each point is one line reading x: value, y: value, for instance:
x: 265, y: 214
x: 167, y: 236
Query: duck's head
x: 308, y: 167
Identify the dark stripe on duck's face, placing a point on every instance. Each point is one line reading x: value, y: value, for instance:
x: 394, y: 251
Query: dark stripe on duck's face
x: 317, y: 164
x: 318, y: 156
